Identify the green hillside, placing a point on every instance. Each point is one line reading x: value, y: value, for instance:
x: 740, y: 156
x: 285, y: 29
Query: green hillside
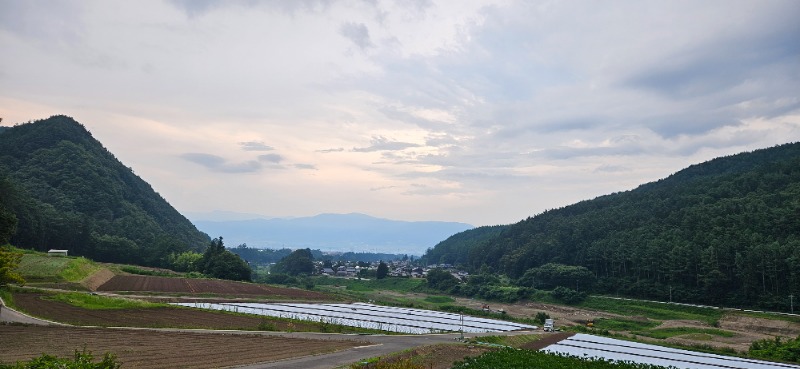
x: 726, y: 231
x: 451, y: 250
x: 68, y: 192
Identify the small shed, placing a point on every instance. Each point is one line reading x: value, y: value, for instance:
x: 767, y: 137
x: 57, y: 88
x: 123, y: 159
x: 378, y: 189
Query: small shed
x: 54, y: 252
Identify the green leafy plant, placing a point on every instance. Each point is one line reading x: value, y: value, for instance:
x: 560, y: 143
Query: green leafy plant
x: 541, y: 317
x: 776, y: 349
x: 526, y: 359
x: 81, y: 360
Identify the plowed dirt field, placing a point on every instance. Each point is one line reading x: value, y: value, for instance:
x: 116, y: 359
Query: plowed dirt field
x: 158, y: 349
x: 140, y: 283
x: 35, y: 304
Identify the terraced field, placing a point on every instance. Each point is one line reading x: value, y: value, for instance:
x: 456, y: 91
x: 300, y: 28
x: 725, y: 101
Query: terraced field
x: 141, y: 283
x: 158, y: 349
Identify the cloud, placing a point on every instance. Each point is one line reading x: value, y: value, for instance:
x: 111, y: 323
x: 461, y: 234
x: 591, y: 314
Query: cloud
x: 219, y: 164
x: 380, y: 143
x: 381, y: 188
x: 271, y: 158
x: 255, y: 146
x: 305, y: 166
x: 479, y: 111
x: 197, y: 8
x: 357, y: 33
x: 721, y: 62
x: 612, y: 168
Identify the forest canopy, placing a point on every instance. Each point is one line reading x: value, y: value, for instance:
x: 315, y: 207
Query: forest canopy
x: 60, y: 188
x: 726, y: 231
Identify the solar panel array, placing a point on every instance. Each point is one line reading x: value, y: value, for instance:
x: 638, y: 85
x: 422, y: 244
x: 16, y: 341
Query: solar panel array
x: 360, y: 315
x: 613, y: 349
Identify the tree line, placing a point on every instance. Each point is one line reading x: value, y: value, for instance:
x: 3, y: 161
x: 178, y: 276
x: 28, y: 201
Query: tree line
x: 723, y: 232
x: 61, y: 189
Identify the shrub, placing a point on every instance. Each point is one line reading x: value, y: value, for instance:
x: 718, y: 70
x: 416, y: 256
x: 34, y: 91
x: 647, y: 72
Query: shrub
x: 82, y: 360
x: 568, y: 295
x: 776, y: 349
x: 541, y: 317
x: 524, y: 359
x: 266, y: 325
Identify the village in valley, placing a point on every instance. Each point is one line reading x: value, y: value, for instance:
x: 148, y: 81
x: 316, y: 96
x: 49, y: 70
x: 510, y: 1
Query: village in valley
x: 398, y: 268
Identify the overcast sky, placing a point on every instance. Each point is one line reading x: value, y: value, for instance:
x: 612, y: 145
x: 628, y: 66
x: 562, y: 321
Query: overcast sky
x: 484, y: 112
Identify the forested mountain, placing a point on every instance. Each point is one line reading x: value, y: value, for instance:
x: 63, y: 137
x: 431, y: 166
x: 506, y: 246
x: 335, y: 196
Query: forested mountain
x: 68, y: 192
x: 726, y: 231
x: 453, y: 249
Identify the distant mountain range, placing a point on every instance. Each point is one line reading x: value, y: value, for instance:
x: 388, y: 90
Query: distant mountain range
x: 330, y: 232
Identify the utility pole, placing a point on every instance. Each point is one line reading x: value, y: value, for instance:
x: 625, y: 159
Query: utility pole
x: 791, y: 303
x: 670, y: 294
x: 462, y: 327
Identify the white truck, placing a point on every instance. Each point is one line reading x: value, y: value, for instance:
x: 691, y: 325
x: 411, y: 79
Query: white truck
x: 548, y: 325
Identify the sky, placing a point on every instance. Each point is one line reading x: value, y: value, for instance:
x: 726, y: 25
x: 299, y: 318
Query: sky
x: 483, y: 112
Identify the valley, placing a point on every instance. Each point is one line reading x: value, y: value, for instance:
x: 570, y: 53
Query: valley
x: 136, y: 301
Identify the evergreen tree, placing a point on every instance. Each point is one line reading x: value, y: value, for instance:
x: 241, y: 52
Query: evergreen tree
x: 383, y: 270
x: 218, y: 262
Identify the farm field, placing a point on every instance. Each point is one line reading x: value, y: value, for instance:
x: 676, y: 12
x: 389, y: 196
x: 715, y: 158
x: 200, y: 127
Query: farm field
x: 141, y: 283
x: 158, y: 349
x: 360, y: 315
x: 43, y: 268
x: 644, y: 321
x: 40, y: 305
x: 584, y: 345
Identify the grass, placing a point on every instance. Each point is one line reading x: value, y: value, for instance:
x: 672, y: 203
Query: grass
x: 699, y: 334
x: 97, y: 302
x: 422, y: 357
x: 38, y: 267
x: 132, y: 269
x: 7, y: 297
x: 664, y: 333
x: 509, y: 358
x: 439, y: 299
x: 624, y: 324
x: 786, y: 318
x: 516, y: 341
x: 363, y: 285
x: 653, y: 310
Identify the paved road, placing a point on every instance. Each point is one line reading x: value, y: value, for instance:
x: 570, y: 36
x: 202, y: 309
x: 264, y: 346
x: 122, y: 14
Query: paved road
x: 377, y: 346
x: 380, y: 345
x: 10, y: 315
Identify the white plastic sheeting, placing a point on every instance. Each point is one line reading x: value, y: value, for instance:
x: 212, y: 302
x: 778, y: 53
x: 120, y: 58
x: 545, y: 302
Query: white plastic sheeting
x: 619, y: 350
x: 390, y: 319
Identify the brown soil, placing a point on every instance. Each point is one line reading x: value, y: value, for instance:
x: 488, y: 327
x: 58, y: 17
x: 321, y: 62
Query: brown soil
x: 204, y: 286
x: 434, y: 356
x: 744, y: 323
x: 683, y: 323
x: 37, y: 305
x: 547, y: 340
x: 563, y: 315
x: 158, y: 349
x: 97, y: 279
x: 746, y: 329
